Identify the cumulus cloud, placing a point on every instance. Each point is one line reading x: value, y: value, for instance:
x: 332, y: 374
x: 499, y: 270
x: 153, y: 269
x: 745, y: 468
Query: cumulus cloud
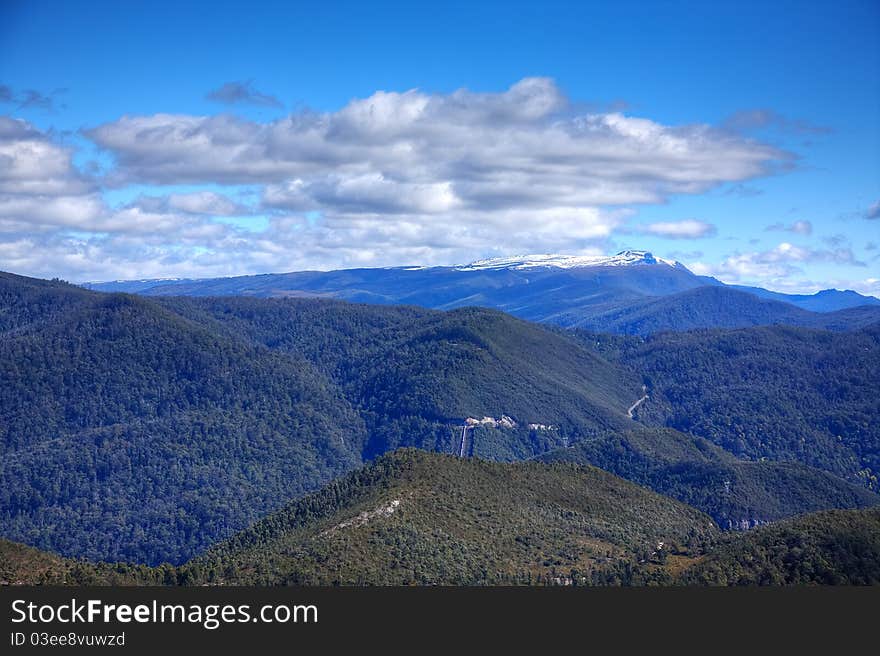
x: 44, y: 198
x: 54, y: 222
x: 798, y: 227
x: 777, y: 266
x: 232, y: 93
x: 31, y: 163
x: 23, y: 211
x: 40, y: 188
x: 367, y: 193
x: 521, y: 146
x: 395, y: 178
x: 686, y: 229
x: 873, y: 212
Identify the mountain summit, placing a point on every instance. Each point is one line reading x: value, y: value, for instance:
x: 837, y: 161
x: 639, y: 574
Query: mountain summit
x: 623, y: 258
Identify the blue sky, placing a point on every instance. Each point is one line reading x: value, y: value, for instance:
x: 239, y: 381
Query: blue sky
x: 151, y: 139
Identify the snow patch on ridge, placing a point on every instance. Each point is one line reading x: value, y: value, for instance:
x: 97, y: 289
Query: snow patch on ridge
x: 623, y: 258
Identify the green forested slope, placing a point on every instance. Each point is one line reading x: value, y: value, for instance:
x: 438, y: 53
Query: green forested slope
x: 711, y: 306
x: 419, y: 518
x: 778, y: 393
x: 735, y: 493
x: 24, y: 565
x: 137, y: 431
x: 835, y: 547
x: 128, y: 432
x: 414, y: 372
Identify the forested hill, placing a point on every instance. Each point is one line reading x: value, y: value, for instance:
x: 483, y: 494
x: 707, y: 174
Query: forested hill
x: 837, y: 547
x: 737, y: 494
x: 777, y: 393
x: 824, y: 548
x: 420, y: 518
x: 412, y: 371
x: 24, y: 565
x: 129, y: 432
x: 137, y: 431
x: 712, y: 306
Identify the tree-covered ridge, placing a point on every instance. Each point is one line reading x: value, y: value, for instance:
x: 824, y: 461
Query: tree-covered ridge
x: 412, y: 372
x: 128, y: 432
x: 418, y: 518
x: 44, y: 299
x: 138, y: 431
x: 834, y: 547
x: 735, y: 493
x: 776, y: 393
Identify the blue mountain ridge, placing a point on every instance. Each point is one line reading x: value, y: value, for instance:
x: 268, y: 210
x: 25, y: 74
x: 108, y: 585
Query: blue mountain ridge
x: 632, y: 292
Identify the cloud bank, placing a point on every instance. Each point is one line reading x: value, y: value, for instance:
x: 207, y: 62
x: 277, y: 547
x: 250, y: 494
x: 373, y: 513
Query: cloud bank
x: 686, y: 229
x: 395, y: 178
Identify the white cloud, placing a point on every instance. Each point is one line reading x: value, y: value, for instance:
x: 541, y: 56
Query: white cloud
x: 686, y: 229
x: 777, y: 267
x: 522, y: 147
x: 31, y: 163
x: 61, y: 211
x: 367, y: 193
x: 395, y: 178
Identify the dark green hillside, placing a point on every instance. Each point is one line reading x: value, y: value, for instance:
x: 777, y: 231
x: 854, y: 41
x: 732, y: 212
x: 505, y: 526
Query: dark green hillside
x: 133, y: 430
x: 826, y: 548
x: 419, y: 518
x: 26, y: 302
x: 128, y: 432
x: 413, y: 373
x: 778, y: 393
x: 735, y: 493
x: 836, y: 547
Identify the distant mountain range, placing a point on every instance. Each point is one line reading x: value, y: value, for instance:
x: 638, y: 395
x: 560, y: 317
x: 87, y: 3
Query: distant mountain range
x: 632, y: 292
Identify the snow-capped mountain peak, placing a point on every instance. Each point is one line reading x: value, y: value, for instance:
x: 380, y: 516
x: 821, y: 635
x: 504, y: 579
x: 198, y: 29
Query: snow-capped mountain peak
x: 623, y: 258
